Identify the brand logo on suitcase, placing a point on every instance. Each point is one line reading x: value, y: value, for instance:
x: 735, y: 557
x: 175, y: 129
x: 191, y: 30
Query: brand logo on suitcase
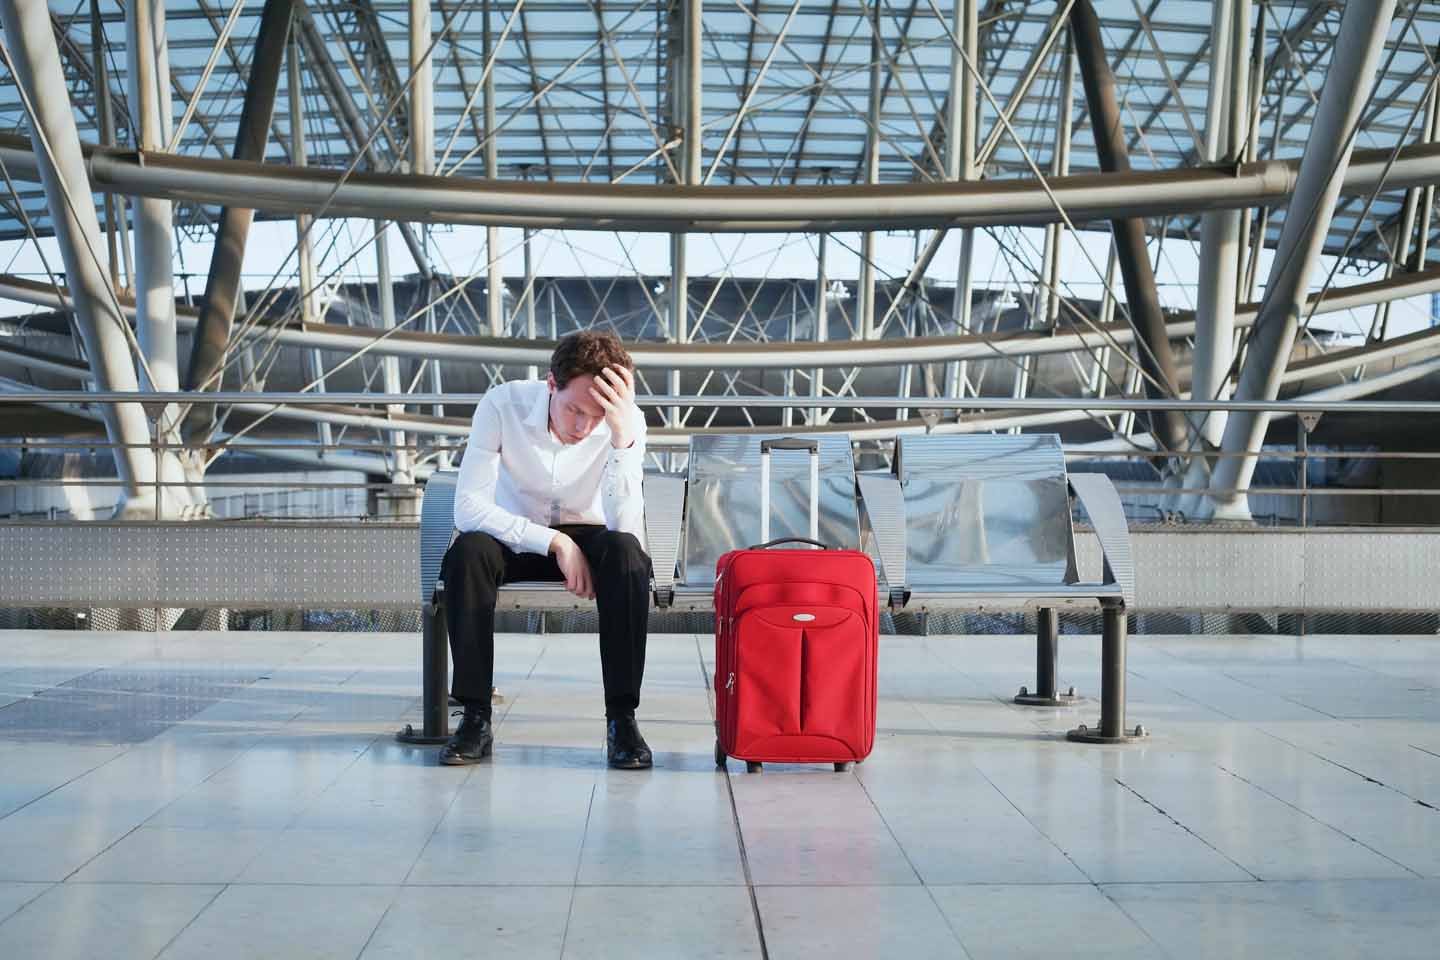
x: 803, y: 617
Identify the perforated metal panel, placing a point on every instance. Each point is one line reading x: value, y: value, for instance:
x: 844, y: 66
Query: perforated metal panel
x: 375, y: 566
x: 1356, y: 570
x: 1316, y: 570
x: 208, y: 564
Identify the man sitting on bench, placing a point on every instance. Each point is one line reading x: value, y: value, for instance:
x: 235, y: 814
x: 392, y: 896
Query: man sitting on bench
x: 550, y: 489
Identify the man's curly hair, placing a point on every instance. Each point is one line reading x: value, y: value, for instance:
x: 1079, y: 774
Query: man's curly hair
x: 587, y: 352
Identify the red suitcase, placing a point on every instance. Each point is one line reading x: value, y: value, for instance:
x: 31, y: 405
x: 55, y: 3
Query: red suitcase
x: 796, y: 644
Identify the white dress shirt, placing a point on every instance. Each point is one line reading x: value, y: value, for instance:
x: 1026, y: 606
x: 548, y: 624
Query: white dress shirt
x: 517, y: 481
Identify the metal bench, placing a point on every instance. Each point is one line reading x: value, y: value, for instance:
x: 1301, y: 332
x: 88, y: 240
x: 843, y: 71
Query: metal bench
x: 972, y: 522
x: 982, y: 522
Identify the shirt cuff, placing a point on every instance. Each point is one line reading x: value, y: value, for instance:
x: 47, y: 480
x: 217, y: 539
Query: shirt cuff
x: 621, y: 456
x: 537, y: 539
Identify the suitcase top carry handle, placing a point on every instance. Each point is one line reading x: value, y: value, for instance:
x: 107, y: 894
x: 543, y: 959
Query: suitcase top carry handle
x: 789, y: 443
x: 770, y: 543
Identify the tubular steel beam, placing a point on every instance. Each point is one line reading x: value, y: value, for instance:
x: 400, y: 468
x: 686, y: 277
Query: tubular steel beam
x: 35, y: 59
x: 222, y: 287
x: 763, y: 356
x: 1141, y: 296
x: 1307, y: 222
x: 1087, y: 198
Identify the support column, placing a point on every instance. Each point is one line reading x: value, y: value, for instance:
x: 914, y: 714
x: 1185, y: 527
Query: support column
x: 422, y: 89
x: 494, y: 277
x: 532, y: 372
x: 1404, y: 231
x: 1113, y: 641
x: 960, y: 165
x: 1427, y: 204
x: 1227, y: 120
x: 30, y: 39
x: 402, y: 470
x: 422, y: 162
x: 148, y: 90
x: 217, y: 315
x: 1227, y: 124
x: 1059, y: 166
x: 105, y: 118
x: 822, y: 326
x: 309, y: 296
x: 866, y: 293
x: 1363, y: 28
x: 787, y: 416
x: 692, y: 94
x: 1047, y: 658
x: 1153, y: 345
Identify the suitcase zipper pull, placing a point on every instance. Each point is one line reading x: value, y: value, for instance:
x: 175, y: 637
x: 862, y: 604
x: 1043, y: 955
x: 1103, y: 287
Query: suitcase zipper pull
x: 730, y: 683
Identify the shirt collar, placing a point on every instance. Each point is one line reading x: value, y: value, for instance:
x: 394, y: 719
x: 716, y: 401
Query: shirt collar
x: 539, y: 416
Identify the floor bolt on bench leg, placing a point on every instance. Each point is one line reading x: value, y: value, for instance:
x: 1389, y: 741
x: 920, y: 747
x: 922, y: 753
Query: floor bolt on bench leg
x: 1112, y: 684
x: 1047, y: 649
x: 436, y: 657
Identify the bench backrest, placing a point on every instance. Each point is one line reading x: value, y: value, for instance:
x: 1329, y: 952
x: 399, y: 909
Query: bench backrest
x: 723, y: 498
x: 986, y: 510
x: 437, y: 526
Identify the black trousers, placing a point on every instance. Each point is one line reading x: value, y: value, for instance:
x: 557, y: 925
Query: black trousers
x: 477, y: 565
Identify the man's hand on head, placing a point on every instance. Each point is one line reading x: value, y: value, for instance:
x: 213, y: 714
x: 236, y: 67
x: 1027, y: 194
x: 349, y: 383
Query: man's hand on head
x: 614, y: 390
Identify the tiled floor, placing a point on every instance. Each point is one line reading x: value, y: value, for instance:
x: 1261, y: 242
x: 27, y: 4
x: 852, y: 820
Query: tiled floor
x: 241, y: 795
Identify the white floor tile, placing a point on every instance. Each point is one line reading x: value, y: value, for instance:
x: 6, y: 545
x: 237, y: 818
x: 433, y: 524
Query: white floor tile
x: 640, y: 923
x: 661, y: 826
x: 308, y: 856
x: 1379, y: 918
x: 1012, y: 921
x: 854, y: 923
x: 808, y: 825
x: 85, y: 921
x: 284, y: 921
x: 517, y: 923
x: 13, y: 896
x: 291, y: 788
x: 177, y: 855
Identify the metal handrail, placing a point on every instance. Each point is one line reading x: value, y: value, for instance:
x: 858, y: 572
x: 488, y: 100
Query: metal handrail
x: 1094, y: 405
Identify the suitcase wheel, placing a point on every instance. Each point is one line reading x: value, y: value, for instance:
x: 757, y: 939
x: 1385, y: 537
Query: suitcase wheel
x: 719, y: 754
x: 842, y: 766
x: 754, y: 766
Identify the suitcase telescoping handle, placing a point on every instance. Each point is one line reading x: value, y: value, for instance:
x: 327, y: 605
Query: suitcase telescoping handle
x: 790, y: 443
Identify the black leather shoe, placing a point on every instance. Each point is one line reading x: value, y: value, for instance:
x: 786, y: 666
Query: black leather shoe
x: 624, y: 747
x: 471, y: 741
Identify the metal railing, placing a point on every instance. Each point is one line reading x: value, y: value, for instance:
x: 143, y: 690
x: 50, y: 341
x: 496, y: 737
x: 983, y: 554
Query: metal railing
x: 372, y: 457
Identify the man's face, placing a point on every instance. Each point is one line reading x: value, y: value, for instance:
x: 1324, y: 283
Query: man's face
x: 573, y: 412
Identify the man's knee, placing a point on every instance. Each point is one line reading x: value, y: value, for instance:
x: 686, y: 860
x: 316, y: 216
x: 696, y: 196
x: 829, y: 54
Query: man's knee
x: 622, y: 552
x: 475, y: 552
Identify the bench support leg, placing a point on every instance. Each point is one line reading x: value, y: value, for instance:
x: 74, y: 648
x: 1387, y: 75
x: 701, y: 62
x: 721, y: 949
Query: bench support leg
x: 1112, y: 684
x: 1047, y: 651
x: 436, y: 660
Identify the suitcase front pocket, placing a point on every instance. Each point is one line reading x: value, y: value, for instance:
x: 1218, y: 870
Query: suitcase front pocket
x: 800, y: 670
